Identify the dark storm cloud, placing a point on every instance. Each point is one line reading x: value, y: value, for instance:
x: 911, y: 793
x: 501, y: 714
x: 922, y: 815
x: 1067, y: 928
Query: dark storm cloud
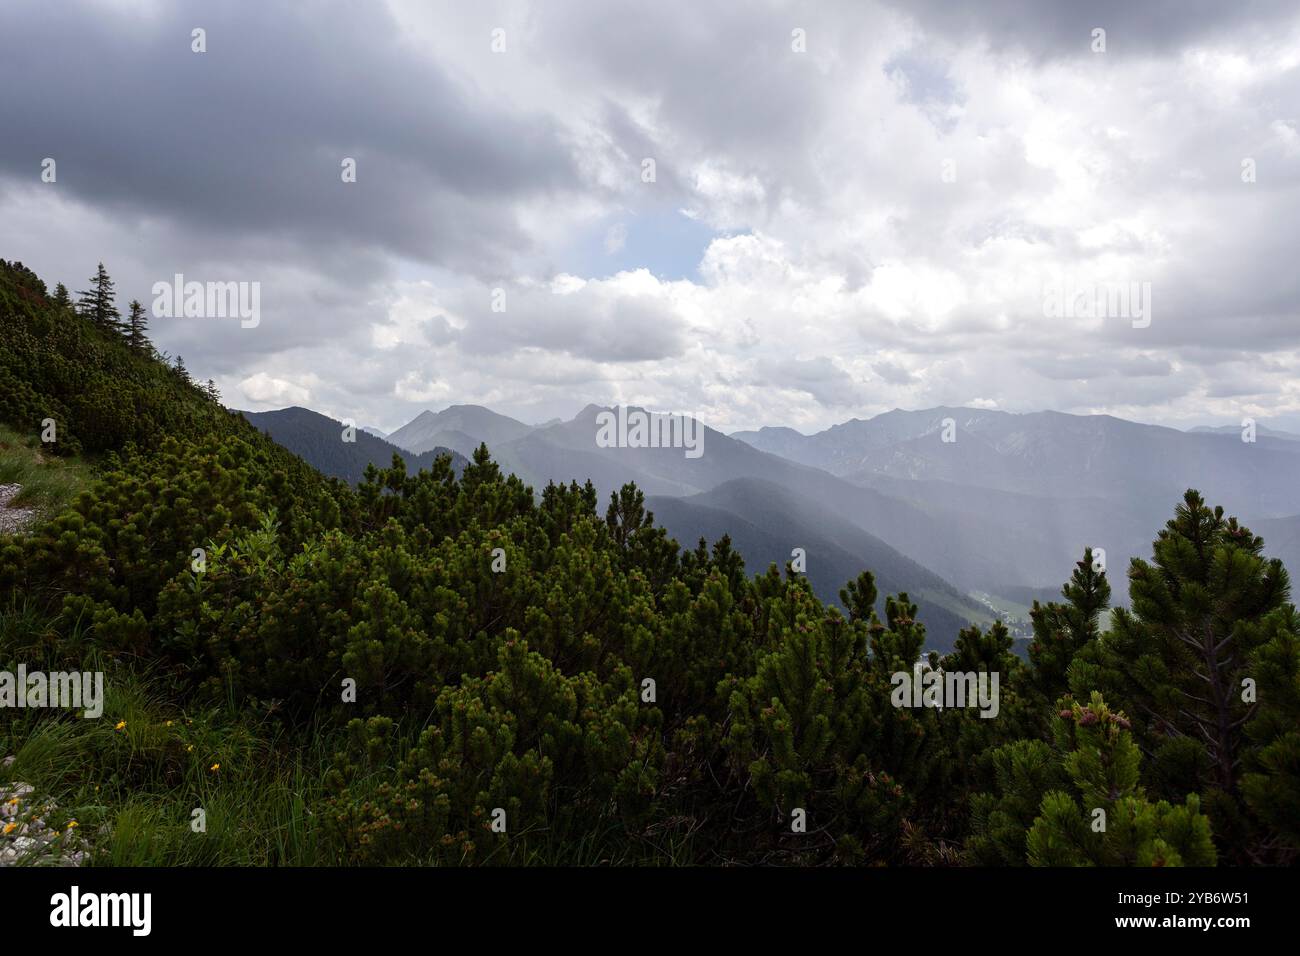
x: 1065, y: 27
x: 248, y: 137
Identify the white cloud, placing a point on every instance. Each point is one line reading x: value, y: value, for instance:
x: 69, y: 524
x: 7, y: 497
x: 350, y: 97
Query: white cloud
x: 266, y: 390
x: 414, y: 386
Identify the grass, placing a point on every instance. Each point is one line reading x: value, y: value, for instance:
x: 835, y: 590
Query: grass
x: 133, y: 777
x: 49, y: 484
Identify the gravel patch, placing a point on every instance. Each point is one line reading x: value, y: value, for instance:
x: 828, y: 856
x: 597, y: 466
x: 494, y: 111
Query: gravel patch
x: 13, y: 520
x: 25, y: 836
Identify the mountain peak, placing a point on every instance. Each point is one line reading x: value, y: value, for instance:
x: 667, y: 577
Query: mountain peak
x: 461, y: 427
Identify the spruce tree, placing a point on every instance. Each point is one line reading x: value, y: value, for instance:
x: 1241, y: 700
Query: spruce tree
x: 61, y: 297
x: 136, y: 324
x: 97, y: 302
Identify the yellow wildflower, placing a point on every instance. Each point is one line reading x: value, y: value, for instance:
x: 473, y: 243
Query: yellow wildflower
x: 10, y: 828
x: 215, y: 767
x: 121, y: 724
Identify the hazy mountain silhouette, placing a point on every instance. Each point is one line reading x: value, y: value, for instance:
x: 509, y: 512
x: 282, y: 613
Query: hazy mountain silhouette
x: 1051, y: 454
x: 456, y: 426
x: 766, y: 521
x: 1260, y: 430
x: 318, y: 440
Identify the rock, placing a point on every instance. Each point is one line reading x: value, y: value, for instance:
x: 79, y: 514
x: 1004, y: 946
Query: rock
x: 13, y: 520
x: 24, y: 836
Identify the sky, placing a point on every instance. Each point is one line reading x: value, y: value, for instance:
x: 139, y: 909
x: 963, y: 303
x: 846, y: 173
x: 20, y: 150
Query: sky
x: 854, y: 206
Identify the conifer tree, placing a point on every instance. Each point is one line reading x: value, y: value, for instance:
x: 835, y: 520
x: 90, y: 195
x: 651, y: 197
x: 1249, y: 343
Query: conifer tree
x: 1271, y: 783
x: 626, y: 514
x: 1081, y: 802
x: 1023, y: 772
x: 61, y: 297
x: 1062, y: 629
x: 977, y: 650
x: 97, y: 302
x: 1181, y: 660
x: 1107, y: 820
x: 136, y: 324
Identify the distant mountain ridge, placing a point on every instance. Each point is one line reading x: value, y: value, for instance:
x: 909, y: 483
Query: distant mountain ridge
x: 1237, y: 430
x: 461, y: 427
x: 1052, y: 454
x: 318, y: 439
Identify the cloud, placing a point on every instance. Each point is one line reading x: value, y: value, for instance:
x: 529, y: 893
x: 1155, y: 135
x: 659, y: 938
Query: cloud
x: 264, y: 389
x: 1065, y: 28
x: 864, y: 225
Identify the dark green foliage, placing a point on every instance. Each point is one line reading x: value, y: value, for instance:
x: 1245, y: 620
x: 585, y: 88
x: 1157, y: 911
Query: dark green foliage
x: 1080, y: 803
x: 1271, y: 782
x: 1023, y: 772
x: 1061, y: 630
x: 1105, y: 819
x: 1182, y: 660
x: 805, y: 728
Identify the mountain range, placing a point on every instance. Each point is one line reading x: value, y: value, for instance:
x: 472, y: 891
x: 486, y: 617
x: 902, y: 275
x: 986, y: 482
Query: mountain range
x: 319, y: 440
x: 974, y: 513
